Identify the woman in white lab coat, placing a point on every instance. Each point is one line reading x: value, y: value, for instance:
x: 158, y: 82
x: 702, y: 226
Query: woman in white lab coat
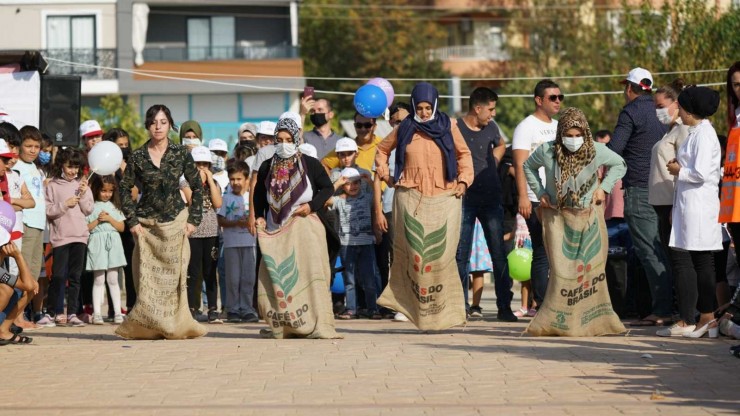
x: 695, y: 231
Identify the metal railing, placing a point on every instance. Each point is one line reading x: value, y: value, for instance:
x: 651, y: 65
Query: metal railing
x: 100, y: 57
x: 469, y: 52
x: 210, y: 53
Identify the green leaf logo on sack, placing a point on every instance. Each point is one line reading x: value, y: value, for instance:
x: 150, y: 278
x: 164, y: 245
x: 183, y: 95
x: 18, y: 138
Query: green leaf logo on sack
x: 430, y: 247
x: 583, y: 246
x: 284, y: 276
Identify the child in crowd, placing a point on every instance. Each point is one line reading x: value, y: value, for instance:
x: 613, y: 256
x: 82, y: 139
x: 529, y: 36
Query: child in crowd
x: 239, y: 246
x: 68, y: 203
x: 34, y: 219
x: 104, y: 248
x: 346, y: 150
x: 354, y: 209
x: 43, y: 162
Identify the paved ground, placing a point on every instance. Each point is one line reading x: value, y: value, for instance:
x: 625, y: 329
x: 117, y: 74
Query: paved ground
x: 379, y: 368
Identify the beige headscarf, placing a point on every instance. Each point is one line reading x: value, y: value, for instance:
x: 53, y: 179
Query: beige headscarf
x: 573, y: 182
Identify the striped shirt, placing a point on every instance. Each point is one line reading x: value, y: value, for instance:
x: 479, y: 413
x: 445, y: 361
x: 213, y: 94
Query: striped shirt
x: 637, y: 131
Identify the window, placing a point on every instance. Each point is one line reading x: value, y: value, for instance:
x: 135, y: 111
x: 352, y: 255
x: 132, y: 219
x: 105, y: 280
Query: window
x: 211, y: 38
x: 72, y: 38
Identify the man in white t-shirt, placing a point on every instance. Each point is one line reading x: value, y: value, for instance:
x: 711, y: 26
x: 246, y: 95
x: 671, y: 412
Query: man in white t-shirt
x: 536, y: 129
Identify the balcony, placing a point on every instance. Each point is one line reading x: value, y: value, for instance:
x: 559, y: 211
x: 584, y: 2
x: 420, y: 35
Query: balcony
x: 99, y: 57
x: 180, y: 52
x: 469, y: 53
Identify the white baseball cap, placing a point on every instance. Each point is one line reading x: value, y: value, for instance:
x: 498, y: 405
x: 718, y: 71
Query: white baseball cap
x: 308, y: 150
x: 90, y: 128
x: 201, y: 154
x: 293, y: 116
x: 638, y: 76
x: 217, y: 145
x: 345, y: 144
x: 5, y: 150
x: 351, y: 173
x: 267, y: 128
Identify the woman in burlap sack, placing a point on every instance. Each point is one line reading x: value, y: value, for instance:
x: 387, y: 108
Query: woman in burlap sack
x: 577, y: 299
x: 433, y: 169
x: 161, y: 225
x: 294, y: 274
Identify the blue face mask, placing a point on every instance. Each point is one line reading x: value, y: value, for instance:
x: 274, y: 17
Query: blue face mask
x: 44, y: 157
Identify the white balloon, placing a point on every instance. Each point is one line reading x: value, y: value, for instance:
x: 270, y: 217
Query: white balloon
x: 105, y: 158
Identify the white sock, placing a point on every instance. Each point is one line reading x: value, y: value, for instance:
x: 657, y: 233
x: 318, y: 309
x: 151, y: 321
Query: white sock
x: 115, y: 290
x: 98, y: 290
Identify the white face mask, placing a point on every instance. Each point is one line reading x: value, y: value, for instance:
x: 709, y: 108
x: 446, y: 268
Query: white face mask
x: 573, y: 143
x: 285, y: 150
x: 190, y: 142
x: 664, y: 116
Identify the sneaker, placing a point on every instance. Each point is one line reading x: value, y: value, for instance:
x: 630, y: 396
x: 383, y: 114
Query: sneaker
x: 97, y: 319
x: 73, y: 320
x: 233, y: 318
x: 506, y: 315
x: 60, y: 319
x: 250, y: 318
x: 675, y: 331
x: 199, y: 316
x: 118, y: 319
x: 532, y: 313
x: 476, y: 312
x: 46, y: 321
x: 213, y: 317
x: 521, y: 313
x: 399, y: 317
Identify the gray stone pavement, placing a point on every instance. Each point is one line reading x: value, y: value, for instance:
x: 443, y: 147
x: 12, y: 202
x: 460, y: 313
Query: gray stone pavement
x: 379, y: 368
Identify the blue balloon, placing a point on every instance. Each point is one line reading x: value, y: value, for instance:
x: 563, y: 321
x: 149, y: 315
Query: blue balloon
x: 370, y: 101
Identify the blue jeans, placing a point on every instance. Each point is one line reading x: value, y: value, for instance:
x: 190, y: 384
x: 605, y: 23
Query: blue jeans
x: 540, y: 271
x: 491, y: 217
x: 360, y: 267
x: 643, y: 224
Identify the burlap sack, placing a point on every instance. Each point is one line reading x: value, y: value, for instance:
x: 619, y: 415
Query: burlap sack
x: 577, y: 300
x: 294, y: 277
x: 160, y: 269
x: 424, y: 283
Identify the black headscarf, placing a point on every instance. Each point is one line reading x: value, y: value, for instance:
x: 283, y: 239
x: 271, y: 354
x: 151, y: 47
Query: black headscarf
x: 438, y: 128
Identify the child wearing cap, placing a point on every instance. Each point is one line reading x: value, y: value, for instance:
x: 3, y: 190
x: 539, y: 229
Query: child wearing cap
x: 219, y: 151
x: 203, y: 240
x: 346, y: 151
x: 91, y: 133
x: 357, y: 238
x: 15, y: 290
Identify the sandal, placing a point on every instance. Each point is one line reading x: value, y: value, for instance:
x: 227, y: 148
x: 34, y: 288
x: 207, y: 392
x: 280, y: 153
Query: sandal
x: 16, y: 340
x: 522, y: 312
x: 346, y: 316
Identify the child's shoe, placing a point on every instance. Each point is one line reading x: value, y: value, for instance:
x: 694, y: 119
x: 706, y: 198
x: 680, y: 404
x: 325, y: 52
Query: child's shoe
x: 46, y: 321
x: 73, y: 320
x: 118, y: 319
x: 97, y: 319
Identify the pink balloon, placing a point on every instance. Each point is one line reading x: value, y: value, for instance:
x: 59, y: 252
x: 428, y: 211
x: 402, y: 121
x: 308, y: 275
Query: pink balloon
x: 385, y: 86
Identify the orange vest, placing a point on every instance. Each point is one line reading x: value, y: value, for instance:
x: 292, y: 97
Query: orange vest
x: 729, y: 208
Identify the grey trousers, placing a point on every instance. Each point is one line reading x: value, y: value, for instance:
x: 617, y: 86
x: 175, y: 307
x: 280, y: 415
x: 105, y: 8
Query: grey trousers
x: 240, y: 265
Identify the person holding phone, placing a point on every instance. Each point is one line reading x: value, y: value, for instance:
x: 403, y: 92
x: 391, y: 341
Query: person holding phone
x: 321, y: 113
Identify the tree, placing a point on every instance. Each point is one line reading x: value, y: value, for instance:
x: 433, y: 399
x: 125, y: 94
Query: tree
x: 115, y: 112
x: 363, y: 39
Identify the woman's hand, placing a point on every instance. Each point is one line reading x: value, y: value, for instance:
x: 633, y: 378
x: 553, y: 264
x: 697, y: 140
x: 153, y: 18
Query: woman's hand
x: 460, y: 189
x: 545, y: 201
x: 302, y: 211
x: 189, y: 229
x: 599, y: 196
x: 137, y: 230
x: 261, y: 223
x: 673, y: 167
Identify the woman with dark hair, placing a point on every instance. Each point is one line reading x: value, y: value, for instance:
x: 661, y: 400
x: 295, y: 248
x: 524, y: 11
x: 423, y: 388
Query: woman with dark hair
x: 161, y: 225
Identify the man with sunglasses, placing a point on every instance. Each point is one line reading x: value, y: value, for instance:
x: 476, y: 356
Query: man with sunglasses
x: 536, y: 129
x: 637, y: 130
x: 367, y: 144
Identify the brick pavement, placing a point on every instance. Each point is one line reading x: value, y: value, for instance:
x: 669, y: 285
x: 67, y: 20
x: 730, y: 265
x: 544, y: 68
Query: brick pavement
x: 379, y: 368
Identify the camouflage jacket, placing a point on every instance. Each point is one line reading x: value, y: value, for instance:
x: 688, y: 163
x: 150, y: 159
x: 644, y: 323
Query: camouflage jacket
x: 160, y: 193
